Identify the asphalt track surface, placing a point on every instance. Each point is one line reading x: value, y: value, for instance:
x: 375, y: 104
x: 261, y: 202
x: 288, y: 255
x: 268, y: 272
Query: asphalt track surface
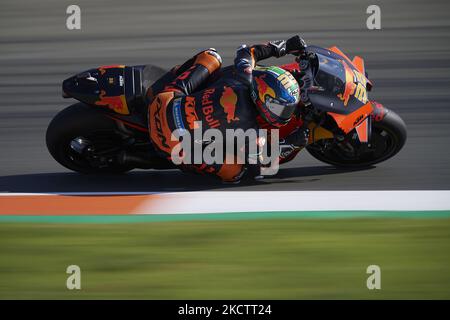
x: 408, y: 62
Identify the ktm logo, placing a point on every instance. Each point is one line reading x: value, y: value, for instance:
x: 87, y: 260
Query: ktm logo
x: 158, y: 124
x: 358, y: 120
x: 191, y: 115
x: 228, y: 102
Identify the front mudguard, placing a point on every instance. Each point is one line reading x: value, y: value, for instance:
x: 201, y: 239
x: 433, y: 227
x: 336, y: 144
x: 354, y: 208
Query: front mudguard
x: 378, y: 112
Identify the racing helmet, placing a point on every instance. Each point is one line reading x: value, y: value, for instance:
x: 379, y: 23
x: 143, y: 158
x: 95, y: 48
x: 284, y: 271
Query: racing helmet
x: 275, y: 93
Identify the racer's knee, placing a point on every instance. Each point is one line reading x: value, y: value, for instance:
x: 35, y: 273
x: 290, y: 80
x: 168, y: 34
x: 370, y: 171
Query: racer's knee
x: 210, y: 59
x: 159, y: 130
x: 231, y: 172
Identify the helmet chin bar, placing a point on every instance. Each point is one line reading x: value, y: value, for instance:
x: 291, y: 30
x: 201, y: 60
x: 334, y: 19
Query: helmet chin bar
x: 281, y: 110
x: 275, y: 106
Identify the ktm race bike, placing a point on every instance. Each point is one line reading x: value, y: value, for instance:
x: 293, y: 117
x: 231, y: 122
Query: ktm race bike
x: 107, y: 132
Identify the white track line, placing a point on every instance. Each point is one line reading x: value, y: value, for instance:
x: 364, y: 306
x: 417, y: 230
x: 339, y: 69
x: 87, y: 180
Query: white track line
x: 264, y: 201
x: 16, y: 194
x: 252, y: 201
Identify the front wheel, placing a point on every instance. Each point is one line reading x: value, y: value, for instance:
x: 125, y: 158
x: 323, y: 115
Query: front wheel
x: 84, y: 140
x: 387, y: 138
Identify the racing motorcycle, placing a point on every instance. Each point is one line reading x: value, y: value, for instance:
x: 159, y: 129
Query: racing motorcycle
x: 107, y: 132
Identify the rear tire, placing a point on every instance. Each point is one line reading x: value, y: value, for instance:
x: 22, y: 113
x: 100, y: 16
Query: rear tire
x: 81, y: 120
x: 388, y: 138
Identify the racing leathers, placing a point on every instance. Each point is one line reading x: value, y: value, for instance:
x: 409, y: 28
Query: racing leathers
x: 180, y: 102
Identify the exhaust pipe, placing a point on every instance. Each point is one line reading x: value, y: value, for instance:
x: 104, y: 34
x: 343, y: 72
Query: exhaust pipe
x: 143, y: 160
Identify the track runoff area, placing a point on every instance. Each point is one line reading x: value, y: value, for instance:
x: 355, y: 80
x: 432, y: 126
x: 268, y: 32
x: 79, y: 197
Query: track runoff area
x: 222, y: 205
x: 226, y: 245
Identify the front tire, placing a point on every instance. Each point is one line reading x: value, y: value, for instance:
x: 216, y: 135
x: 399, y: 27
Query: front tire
x: 81, y: 120
x: 387, y: 138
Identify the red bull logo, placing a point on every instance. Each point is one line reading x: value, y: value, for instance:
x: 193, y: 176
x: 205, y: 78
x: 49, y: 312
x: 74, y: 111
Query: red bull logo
x: 228, y: 102
x: 115, y: 103
x: 263, y: 89
x: 355, y: 85
x: 208, y: 108
x: 350, y: 85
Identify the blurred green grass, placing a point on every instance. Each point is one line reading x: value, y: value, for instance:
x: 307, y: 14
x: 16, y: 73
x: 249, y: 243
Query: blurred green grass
x: 265, y: 259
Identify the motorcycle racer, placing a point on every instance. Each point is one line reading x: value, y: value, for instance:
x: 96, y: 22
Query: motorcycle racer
x: 249, y: 97
x: 112, y: 136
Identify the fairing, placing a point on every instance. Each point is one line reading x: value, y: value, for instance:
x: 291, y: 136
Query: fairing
x: 341, y: 87
x: 116, y: 88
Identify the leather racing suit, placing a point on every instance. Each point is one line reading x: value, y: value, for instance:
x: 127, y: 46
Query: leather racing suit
x: 180, y: 99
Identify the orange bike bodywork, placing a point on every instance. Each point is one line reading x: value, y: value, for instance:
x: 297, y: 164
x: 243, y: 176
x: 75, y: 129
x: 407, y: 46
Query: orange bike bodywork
x: 360, y: 119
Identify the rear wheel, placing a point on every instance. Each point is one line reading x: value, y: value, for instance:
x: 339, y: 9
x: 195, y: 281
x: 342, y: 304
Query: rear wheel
x: 84, y: 140
x: 388, y: 137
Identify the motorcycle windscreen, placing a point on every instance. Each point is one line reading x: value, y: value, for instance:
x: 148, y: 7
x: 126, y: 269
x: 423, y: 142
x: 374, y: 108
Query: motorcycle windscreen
x: 343, y: 88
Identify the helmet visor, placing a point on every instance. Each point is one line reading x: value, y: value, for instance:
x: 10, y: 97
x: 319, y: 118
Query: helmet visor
x: 280, y: 109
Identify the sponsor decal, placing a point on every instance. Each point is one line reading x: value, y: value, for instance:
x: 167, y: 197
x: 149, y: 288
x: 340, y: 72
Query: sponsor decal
x: 378, y: 111
x: 191, y: 115
x: 360, y: 91
x: 103, y: 69
x: 349, y: 84
x: 208, y: 108
x: 264, y: 89
x: 289, y: 83
x: 116, y: 103
x: 228, y: 102
x: 177, y: 118
x: 358, y: 120
x: 355, y: 85
x: 276, y: 71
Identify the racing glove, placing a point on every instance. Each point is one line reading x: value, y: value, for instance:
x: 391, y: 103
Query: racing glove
x: 295, y: 45
x: 279, y: 48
